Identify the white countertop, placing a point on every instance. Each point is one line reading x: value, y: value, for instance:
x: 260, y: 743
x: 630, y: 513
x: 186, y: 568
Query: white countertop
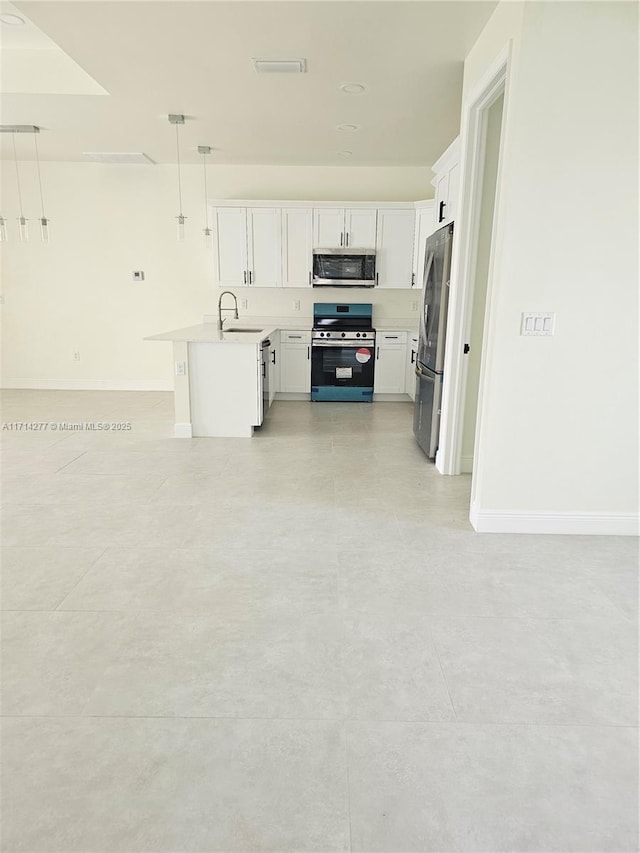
x: 210, y: 334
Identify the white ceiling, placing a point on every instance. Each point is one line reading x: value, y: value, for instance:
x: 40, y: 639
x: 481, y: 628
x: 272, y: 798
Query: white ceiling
x: 102, y: 76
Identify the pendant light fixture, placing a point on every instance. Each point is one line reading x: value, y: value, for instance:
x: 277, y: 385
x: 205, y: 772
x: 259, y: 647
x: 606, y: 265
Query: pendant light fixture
x: 178, y: 120
x: 44, y: 222
x: 204, y: 150
x: 23, y: 224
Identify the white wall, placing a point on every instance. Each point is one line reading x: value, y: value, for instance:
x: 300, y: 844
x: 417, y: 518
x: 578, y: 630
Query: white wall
x: 558, y: 440
x: 76, y: 293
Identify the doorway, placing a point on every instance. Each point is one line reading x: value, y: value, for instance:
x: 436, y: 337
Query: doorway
x: 492, y: 121
x: 470, y: 308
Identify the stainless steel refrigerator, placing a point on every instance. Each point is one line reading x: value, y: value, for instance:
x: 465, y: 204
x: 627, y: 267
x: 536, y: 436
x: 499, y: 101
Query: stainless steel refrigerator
x: 431, y: 341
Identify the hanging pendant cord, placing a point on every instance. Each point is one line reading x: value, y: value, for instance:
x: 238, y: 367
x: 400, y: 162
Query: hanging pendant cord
x: 35, y: 140
x: 206, y: 207
x: 178, y: 159
x: 15, y: 160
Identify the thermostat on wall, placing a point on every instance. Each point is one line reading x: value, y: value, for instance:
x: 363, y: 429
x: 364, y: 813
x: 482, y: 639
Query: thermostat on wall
x: 537, y: 324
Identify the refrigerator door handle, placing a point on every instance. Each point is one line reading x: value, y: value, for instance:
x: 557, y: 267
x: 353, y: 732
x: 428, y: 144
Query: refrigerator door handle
x: 425, y: 312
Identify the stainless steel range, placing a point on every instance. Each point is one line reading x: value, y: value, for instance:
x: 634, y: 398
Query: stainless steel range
x: 343, y: 345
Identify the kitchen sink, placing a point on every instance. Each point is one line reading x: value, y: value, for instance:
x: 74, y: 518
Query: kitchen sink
x: 242, y: 330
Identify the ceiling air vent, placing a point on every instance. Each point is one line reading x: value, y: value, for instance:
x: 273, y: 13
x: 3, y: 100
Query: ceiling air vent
x: 280, y: 66
x: 122, y: 158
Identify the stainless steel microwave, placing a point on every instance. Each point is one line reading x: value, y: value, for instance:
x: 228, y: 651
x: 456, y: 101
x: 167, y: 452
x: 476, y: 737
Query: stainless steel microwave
x: 344, y: 268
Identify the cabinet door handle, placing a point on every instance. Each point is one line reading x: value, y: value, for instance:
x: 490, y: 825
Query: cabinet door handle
x: 245, y: 276
x: 297, y: 337
x: 273, y: 357
x: 264, y: 369
x: 250, y: 277
x: 413, y: 356
x: 441, y: 211
x: 308, y: 353
x: 341, y: 237
x: 377, y: 353
x: 377, y: 278
x: 413, y: 279
x: 391, y: 337
x: 346, y: 238
x: 309, y: 276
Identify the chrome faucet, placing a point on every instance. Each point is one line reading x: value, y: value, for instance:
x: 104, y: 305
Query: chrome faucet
x: 221, y: 309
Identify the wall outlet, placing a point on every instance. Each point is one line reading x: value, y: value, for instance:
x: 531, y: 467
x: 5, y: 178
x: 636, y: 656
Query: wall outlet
x: 181, y: 368
x: 244, y: 303
x: 137, y: 275
x: 76, y: 355
x: 296, y: 304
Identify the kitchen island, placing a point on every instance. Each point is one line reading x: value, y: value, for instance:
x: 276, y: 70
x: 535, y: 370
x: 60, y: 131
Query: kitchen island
x: 218, y: 379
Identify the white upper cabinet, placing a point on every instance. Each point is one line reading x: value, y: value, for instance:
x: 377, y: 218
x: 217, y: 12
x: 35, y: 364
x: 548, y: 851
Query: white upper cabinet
x: 340, y: 228
x: 297, y: 224
x: 264, y: 247
x: 425, y: 226
x: 394, y: 248
x: 230, y: 246
x: 360, y: 228
x: 247, y: 245
x: 446, y: 182
x: 328, y: 228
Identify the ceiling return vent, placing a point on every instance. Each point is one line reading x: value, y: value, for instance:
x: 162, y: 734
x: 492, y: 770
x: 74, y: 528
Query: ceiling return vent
x: 280, y: 66
x: 121, y: 158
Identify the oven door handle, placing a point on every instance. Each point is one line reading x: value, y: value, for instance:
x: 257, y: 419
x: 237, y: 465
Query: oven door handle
x: 334, y: 344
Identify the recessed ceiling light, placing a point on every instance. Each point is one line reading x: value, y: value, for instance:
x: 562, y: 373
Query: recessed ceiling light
x: 345, y: 153
x: 280, y: 66
x: 12, y: 20
x: 352, y: 88
x: 348, y: 128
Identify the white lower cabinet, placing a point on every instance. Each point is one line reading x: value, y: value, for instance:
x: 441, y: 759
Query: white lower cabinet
x: 390, y: 370
x: 295, y: 361
x: 412, y: 354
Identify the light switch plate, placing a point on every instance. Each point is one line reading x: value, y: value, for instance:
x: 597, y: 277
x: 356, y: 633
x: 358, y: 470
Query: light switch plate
x: 538, y: 324
x: 137, y: 275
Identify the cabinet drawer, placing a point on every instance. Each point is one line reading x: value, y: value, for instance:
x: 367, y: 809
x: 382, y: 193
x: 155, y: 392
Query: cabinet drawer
x: 390, y: 338
x: 295, y: 337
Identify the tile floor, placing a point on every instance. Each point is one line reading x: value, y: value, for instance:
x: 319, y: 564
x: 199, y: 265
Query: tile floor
x: 297, y: 643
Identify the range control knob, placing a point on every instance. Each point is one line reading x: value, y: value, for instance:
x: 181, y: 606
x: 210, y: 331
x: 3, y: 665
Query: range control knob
x: 357, y: 334
x: 343, y: 335
x: 328, y: 334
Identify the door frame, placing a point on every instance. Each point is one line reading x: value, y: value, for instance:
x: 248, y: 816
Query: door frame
x: 493, y: 84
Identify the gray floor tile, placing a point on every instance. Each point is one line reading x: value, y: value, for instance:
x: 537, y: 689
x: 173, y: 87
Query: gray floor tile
x: 40, y: 578
x: 230, y: 584
x: 419, y: 788
x: 449, y: 580
x: 540, y: 671
x: 162, y: 786
x: 51, y: 662
x: 392, y: 671
x: 227, y: 665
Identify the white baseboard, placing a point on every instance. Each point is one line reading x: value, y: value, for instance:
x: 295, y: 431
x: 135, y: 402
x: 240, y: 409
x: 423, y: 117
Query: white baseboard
x: 89, y: 384
x: 570, y: 523
x: 182, y: 430
x: 466, y: 464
